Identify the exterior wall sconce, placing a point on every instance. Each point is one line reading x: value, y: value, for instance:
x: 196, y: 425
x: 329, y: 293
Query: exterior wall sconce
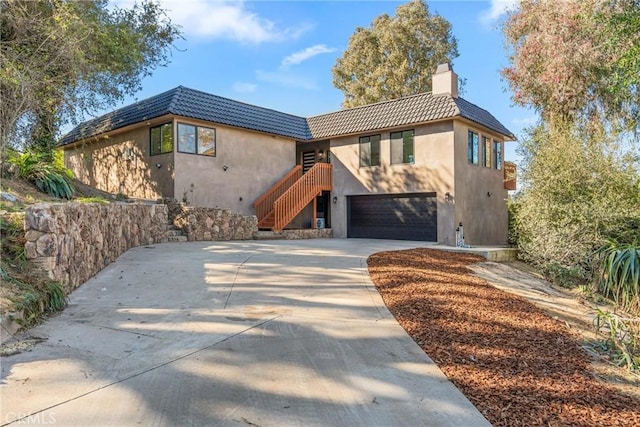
x: 225, y: 168
x: 489, y: 193
x: 335, y: 199
x: 158, y: 165
x: 321, y: 154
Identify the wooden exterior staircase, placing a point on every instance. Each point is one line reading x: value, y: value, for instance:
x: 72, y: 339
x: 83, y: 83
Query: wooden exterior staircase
x: 277, y: 207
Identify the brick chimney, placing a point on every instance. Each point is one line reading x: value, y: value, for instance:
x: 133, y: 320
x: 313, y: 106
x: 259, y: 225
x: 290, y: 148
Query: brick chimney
x: 444, y: 81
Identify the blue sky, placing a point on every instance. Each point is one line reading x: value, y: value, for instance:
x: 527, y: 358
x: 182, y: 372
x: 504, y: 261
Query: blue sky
x: 279, y: 54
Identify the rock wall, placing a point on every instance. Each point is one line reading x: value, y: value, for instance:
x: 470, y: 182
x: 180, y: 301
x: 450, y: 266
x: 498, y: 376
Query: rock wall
x: 308, y: 233
x: 71, y: 242
x: 214, y: 224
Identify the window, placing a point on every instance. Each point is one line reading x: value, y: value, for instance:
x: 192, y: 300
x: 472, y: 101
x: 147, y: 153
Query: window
x: 370, y: 150
x: 196, y: 140
x: 472, y: 147
x: 497, y: 154
x: 402, y: 147
x: 162, y: 139
x: 486, y: 152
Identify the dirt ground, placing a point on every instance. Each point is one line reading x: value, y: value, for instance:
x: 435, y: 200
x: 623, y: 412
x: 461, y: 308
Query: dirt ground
x: 520, y: 364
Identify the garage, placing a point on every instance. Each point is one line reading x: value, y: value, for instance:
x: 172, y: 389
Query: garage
x: 409, y: 216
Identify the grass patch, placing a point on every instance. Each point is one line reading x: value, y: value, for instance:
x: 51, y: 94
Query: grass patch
x: 28, y: 294
x: 100, y: 200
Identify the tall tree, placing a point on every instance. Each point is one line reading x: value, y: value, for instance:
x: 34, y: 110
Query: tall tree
x: 61, y: 59
x: 578, y: 63
x: 394, y: 57
x: 576, y: 59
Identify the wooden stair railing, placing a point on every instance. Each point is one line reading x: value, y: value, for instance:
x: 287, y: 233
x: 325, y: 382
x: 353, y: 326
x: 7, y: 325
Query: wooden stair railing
x: 264, y: 204
x: 301, y: 193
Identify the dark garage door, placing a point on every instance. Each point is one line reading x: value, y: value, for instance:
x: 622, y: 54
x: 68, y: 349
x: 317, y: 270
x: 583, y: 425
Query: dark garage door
x: 410, y: 216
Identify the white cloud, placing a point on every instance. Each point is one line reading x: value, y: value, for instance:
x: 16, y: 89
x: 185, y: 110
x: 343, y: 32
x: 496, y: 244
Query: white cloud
x: 225, y: 19
x: 286, y: 79
x: 303, y: 55
x: 496, y: 10
x: 244, y: 87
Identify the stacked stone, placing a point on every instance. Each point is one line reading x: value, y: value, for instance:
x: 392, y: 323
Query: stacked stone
x: 215, y: 224
x: 71, y: 242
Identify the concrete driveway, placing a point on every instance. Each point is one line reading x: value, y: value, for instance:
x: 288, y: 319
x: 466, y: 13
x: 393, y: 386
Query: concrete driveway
x: 270, y: 333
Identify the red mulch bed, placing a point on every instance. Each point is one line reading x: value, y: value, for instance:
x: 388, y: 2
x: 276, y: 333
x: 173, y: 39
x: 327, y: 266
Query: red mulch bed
x: 518, y: 366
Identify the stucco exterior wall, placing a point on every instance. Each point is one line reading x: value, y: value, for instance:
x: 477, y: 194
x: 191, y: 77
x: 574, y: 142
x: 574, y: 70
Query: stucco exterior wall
x: 484, y: 216
x: 102, y: 164
x: 433, y: 170
x: 254, y: 162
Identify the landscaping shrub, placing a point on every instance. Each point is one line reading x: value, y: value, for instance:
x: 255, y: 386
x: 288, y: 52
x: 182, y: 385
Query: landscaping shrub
x: 622, y: 338
x: 50, y: 177
x: 580, y: 189
x: 619, y: 274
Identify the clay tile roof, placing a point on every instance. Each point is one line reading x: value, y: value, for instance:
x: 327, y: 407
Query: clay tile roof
x: 185, y: 102
x: 409, y: 110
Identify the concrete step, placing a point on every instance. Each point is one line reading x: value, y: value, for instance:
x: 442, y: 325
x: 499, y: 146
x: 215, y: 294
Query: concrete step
x: 179, y: 239
x: 169, y: 233
x: 172, y: 227
x: 268, y: 235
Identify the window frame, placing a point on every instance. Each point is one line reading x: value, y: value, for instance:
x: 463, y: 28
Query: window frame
x: 407, y: 159
x: 473, y: 147
x: 196, y: 143
x: 160, y: 127
x: 497, y: 154
x: 369, y: 162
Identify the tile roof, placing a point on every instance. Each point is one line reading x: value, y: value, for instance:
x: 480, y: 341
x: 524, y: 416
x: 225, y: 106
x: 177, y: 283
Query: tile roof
x: 414, y: 109
x: 185, y: 102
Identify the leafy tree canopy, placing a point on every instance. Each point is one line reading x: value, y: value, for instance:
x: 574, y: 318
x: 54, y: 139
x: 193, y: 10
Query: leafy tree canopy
x: 576, y: 60
x: 394, y: 57
x: 61, y: 59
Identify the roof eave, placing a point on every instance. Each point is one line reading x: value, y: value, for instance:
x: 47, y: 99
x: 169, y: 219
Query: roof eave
x: 104, y: 135
x: 507, y: 136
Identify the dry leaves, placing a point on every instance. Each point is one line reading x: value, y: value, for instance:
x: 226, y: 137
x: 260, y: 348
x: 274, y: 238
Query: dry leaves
x: 517, y: 365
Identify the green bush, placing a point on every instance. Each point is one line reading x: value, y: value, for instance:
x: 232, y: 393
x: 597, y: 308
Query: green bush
x: 50, y: 177
x: 580, y: 188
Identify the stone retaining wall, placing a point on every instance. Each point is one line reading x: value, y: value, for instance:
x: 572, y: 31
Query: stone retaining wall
x: 308, y: 233
x: 214, y: 224
x: 71, y: 242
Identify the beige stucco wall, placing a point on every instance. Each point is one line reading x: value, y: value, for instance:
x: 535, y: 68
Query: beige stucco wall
x: 254, y: 163
x: 485, y: 219
x: 101, y: 164
x: 432, y: 171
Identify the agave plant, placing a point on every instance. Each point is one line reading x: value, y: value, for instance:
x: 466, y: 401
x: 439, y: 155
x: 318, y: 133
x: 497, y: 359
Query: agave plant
x: 619, y: 277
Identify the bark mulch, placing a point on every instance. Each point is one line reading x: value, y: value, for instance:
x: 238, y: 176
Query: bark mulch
x: 518, y: 366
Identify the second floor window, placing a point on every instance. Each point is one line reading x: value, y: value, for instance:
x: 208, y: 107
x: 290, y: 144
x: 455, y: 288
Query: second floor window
x: 402, y: 147
x: 497, y: 154
x: 162, y: 139
x: 370, y: 150
x: 472, y: 147
x: 486, y: 152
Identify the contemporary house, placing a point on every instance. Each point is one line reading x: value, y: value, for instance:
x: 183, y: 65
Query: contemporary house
x: 410, y: 168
